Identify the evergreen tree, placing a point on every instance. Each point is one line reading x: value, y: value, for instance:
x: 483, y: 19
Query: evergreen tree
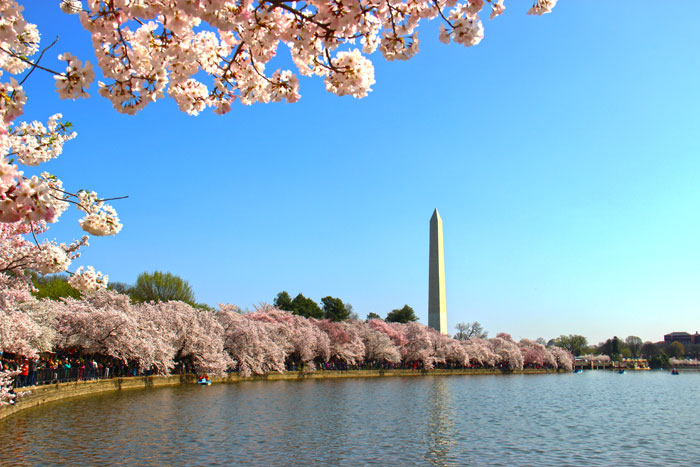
x: 334, y: 309
x: 283, y: 301
x: 402, y: 315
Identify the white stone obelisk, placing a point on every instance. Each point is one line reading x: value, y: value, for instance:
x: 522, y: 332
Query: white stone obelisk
x: 437, y: 310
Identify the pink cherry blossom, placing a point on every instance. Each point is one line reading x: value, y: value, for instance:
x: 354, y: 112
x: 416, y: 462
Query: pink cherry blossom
x: 345, y: 343
x: 7, y: 379
x: 250, y: 343
x: 378, y: 346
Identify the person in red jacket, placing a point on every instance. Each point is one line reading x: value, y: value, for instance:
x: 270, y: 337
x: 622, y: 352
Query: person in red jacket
x: 24, y: 374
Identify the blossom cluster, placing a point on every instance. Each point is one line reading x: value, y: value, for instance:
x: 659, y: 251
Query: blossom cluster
x: 7, y: 378
x: 88, y: 280
x: 18, y: 254
x: 148, y: 49
x: 29, y: 201
x: 100, y: 218
x: 76, y: 79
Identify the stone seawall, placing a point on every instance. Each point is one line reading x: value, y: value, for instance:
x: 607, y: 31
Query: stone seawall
x: 38, y: 395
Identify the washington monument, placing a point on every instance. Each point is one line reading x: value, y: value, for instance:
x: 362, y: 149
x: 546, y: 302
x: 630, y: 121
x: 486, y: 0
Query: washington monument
x: 437, y: 311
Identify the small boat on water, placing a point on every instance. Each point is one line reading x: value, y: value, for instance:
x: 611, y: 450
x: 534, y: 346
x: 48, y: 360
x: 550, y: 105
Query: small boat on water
x: 620, y: 372
x: 674, y: 372
x: 578, y: 370
x: 204, y: 380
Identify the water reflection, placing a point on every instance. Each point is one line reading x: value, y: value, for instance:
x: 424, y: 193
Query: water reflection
x: 578, y: 420
x: 440, y: 426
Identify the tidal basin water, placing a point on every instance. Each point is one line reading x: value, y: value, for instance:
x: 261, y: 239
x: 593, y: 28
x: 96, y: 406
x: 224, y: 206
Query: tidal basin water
x: 594, y: 418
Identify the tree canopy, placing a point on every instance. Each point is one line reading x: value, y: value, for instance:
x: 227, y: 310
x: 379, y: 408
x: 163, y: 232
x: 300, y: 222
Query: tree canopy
x: 54, y: 287
x: 648, y: 350
x: 306, y: 307
x: 402, y: 315
x: 334, y: 309
x: 676, y: 349
x: 160, y: 286
x: 574, y: 343
x: 372, y: 315
x: 634, y: 344
x: 466, y: 331
x: 283, y: 301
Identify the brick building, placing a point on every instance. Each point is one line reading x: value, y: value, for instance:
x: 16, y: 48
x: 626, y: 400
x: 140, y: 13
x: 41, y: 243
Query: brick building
x: 682, y: 337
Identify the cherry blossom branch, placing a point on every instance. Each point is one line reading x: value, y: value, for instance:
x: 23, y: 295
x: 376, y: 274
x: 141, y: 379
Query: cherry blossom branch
x: 100, y: 200
x: 439, y: 9
x: 280, y: 4
x: 31, y: 225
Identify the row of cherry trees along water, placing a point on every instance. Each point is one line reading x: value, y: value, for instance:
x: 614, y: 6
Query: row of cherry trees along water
x: 157, y: 336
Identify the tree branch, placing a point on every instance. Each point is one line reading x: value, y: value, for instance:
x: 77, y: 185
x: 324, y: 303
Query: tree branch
x: 34, y: 67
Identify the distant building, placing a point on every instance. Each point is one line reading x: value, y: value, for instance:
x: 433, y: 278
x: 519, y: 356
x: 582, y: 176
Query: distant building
x: 682, y: 337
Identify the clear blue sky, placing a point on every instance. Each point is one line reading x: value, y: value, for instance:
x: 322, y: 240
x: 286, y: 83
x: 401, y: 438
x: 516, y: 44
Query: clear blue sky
x: 561, y: 152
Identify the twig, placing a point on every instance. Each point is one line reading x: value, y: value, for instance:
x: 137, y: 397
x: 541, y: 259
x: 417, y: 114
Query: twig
x: 33, y: 235
x: 34, y: 67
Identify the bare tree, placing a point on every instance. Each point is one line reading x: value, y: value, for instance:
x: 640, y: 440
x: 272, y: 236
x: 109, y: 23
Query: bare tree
x: 635, y: 345
x: 468, y: 330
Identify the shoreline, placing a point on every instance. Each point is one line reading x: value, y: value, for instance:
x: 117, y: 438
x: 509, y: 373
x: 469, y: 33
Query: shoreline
x: 39, y: 395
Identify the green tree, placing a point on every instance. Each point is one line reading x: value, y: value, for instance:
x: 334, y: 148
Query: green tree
x: 624, y: 350
x: 615, y: 346
x: 660, y: 360
x: 634, y: 343
x: 466, y: 331
x: 334, y: 309
x: 372, y: 315
x: 574, y: 343
x: 648, y: 350
x: 283, y: 301
x: 402, y: 315
x: 676, y: 349
x: 692, y: 351
x: 306, y: 307
x: 611, y: 347
x: 53, y: 287
x: 161, y: 287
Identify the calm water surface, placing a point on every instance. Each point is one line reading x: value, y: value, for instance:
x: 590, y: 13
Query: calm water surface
x: 595, y: 418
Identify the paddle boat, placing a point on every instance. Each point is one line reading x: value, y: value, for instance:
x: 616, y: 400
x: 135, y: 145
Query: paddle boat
x: 620, y: 372
x: 578, y: 370
x: 674, y: 372
x: 204, y: 380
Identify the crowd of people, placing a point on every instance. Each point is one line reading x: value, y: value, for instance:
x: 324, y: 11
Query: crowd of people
x: 50, y: 368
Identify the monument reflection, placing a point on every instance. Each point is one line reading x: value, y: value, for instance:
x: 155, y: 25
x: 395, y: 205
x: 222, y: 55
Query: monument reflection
x: 440, y: 424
